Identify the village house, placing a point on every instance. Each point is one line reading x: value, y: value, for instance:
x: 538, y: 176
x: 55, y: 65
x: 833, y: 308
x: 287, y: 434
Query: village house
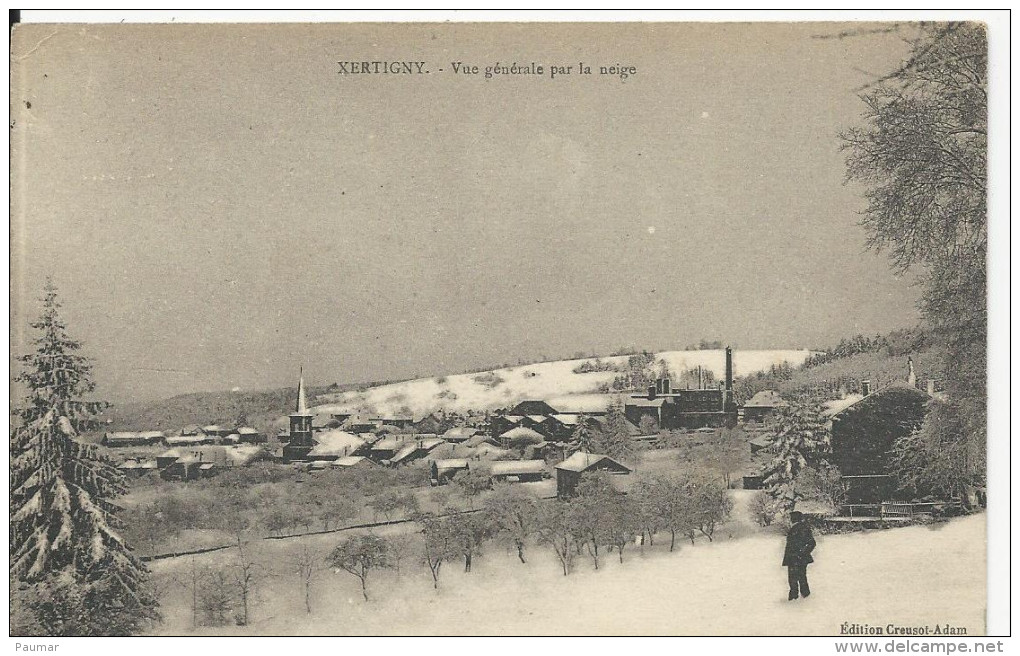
x: 761, y: 406
x: 442, y: 471
x: 537, y: 423
x: 135, y: 468
x: 184, y: 468
x: 862, y: 435
x: 532, y: 407
x: 249, y: 435
x: 561, y: 427
x: 386, y: 447
x: 232, y: 440
x: 335, y: 444
x: 215, y: 430
x: 520, y: 437
x: 637, y: 409
x: 184, y: 464
x: 133, y: 438
x: 207, y: 470
x: 759, y: 444
x: 501, y: 423
x: 197, y: 439
x: 518, y: 471
x: 430, y: 423
x: 351, y: 462
x: 401, y: 422
x: 341, y: 415
x: 459, y: 434
x: 415, y: 448
x: 323, y: 421
x: 168, y: 457
x: 568, y: 472
x: 360, y: 424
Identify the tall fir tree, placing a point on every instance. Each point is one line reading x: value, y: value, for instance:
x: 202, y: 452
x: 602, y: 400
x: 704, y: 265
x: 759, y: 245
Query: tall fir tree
x: 798, y: 439
x: 76, y: 571
x: 613, y: 438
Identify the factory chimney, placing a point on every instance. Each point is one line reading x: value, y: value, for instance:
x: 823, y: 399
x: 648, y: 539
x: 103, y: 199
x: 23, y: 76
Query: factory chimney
x: 729, y: 369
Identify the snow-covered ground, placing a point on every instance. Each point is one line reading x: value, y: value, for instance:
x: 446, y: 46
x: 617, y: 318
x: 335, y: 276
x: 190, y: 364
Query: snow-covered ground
x: 912, y: 576
x: 503, y: 387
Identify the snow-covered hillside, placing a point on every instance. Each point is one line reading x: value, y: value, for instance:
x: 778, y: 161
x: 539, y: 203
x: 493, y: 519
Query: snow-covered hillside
x: 908, y: 577
x: 544, y: 380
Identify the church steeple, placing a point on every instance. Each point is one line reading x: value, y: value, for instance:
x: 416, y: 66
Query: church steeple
x: 300, y: 441
x: 302, y: 401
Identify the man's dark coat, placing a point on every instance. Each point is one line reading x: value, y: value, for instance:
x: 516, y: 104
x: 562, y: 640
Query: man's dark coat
x: 799, y: 544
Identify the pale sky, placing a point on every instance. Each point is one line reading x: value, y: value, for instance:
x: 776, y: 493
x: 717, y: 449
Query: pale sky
x: 217, y: 206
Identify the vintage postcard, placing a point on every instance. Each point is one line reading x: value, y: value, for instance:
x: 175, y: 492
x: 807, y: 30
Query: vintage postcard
x: 473, y: 329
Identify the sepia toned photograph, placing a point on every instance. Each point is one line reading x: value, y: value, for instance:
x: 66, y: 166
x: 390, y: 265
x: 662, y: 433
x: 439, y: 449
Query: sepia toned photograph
x: 500, y: 329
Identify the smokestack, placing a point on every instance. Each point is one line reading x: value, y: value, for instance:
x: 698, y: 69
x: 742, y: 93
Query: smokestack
x: 666, y: 384
x: 865, y: 387
x: 701, y: 378
x: 931, y: 387
x: 651, y: 392
x: 729, y: 369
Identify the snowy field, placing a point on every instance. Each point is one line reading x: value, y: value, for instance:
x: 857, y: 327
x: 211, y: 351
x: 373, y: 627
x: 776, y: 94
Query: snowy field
x: 504, y: 387
x: 908, y: 576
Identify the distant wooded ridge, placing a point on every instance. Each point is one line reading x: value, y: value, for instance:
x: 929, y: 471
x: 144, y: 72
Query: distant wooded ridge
x: 261, y: 408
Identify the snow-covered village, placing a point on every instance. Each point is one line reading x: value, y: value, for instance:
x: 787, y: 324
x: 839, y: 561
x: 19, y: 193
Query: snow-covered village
x: 683, y: 360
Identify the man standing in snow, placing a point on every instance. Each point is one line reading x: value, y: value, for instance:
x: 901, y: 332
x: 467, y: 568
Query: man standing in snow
x: 799, y: 545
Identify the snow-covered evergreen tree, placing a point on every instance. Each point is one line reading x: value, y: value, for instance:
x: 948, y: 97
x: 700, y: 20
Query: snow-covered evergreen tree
x: 613, y: 438
x: 798, y: 439
x: 582, y: 436
x: 63, y: 531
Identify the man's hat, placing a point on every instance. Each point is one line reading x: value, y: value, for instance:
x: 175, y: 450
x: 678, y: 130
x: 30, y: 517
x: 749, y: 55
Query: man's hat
x: 796, y: 516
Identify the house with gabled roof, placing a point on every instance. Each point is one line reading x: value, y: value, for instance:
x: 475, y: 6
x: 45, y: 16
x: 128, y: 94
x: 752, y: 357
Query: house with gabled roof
x: 416, y: 447
x: 862, y: 436
x: 519, y: 437
x: 460, y: 434
x: 442, y: 471
x: 532, y: 407
x: 133, y: 438
x: 334, y: 444
x: 761, y: 405
x: 518, y: 471
x: 569, y: 472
